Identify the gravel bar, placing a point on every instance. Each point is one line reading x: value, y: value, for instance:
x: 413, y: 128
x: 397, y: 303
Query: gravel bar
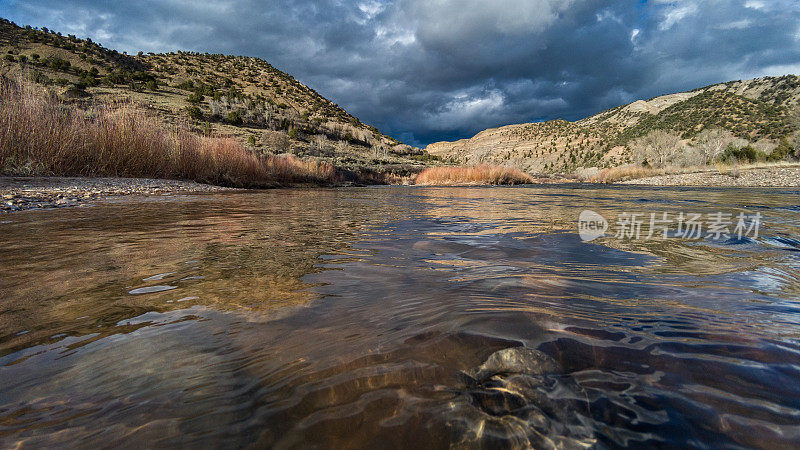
x: 756, y: 177
x: 23, y: 193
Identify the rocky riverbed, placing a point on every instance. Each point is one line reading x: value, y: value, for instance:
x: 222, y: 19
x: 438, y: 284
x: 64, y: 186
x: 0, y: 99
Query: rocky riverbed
x: 752, y: 177
x: 23, y: 193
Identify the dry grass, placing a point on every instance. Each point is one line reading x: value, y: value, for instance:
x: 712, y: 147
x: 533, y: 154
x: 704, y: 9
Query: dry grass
x: 41, y: 135
x: 624, y: 173
x: 483, y: 174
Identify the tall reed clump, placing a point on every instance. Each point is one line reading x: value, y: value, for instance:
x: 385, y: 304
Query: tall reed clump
x: 41, y: 135
x: 482, y: 174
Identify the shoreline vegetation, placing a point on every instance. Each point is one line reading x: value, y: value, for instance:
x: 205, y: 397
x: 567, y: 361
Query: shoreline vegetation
x: 472, y: 175
x: 41, y: 135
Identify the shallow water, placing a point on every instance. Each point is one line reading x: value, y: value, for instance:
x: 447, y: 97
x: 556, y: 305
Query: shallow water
x: 349, y: 318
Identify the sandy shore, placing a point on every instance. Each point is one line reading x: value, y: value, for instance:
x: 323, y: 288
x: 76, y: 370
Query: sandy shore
x: 752, y: 177
x: 22, y: 193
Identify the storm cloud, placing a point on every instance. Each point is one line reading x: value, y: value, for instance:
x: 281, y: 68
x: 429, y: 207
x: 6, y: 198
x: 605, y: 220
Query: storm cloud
x: 428, y: 70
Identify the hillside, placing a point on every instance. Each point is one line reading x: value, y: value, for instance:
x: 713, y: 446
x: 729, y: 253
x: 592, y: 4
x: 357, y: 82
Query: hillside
x: 267, y: 110
x: 755, y: 112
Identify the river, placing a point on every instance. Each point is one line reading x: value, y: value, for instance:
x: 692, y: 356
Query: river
x: 359, y: 317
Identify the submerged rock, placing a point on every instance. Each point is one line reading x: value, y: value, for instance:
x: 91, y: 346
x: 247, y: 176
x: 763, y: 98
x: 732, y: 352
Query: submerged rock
x: 516, y: 360
x: 520, y: 398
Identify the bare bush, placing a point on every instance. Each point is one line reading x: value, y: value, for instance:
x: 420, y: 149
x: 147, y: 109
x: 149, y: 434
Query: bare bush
x: 658, y: 148
x: 320, y: 145
x: 688, y: 157
x: 711, y: 143
x: 796, y: 138
x: 277, y: 141
x: 765, y: 146
x: 218, y: 108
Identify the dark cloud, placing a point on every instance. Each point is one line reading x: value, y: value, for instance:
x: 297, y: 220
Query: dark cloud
x: 426, y: 70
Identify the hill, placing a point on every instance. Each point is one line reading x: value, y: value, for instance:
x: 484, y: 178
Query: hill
x: 755, y: 113
x: 265, y: 109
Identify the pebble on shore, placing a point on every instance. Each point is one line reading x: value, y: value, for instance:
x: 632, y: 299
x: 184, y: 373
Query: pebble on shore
x: 756, y: 177
x: 24, y: 193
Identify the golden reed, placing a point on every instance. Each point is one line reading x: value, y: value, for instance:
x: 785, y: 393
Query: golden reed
x: 43, y: 136
x: 482, y: 174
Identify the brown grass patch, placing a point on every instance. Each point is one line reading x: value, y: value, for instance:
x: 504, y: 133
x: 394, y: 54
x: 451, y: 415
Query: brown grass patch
x: 483, y: 174
x: 41, y: 135
x: 624, y: 173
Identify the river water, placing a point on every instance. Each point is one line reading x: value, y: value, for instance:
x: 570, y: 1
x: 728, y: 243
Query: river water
x: 358, y: 317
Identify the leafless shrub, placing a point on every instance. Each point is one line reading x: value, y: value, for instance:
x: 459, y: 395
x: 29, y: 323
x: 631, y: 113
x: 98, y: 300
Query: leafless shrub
x: 690, y: 156
x: 711, y: 143
x: 277, y: 141
x: 765, y: 146
x: 796, y: 137
x: 658, y: 148
x: 320, y: 145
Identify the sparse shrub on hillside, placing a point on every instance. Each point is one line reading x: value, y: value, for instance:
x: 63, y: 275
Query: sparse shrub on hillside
x: 736, y: 154
x: 195, y: 98
x: 86, y: 79
x: 57, y: 63
x: 235, y: 118
x: 40, y: 78
x: 782, y: 152
x: 194, y: 112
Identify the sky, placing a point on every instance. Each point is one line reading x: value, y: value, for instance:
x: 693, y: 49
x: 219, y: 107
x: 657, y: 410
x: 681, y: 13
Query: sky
x: 430, y: 70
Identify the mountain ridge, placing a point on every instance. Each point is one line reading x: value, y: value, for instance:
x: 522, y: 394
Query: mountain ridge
x: 757, y: 111
x: 231, y: 96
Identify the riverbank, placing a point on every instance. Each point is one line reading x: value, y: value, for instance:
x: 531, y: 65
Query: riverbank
x: 775, y: 176
x: 23, y: 193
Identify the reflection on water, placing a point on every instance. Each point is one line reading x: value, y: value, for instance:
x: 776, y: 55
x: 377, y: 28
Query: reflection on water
x: 360, y: 317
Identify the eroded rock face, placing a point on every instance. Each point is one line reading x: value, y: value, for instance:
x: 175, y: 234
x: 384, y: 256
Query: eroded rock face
x: 520, y: 398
